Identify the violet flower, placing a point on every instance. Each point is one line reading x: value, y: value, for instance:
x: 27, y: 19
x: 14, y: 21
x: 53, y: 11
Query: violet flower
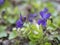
x: 31, y: 17
x: 44, y: 16
x: 42, y: 22
x: 1, y: 2
x: 20, y: 22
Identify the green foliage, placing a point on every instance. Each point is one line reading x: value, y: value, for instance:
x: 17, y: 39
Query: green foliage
x: 16, y: 10
x: 59, y: 44
x: 32, y: 43
x: 47, y: 43
x: 13, y: 34
x: 35, y: 34
x: 56, y: 21
x: 50, y: 25
x: 11, y: 19
x: 11, y: 15
x: 58, y: 37
x: 2, y: 31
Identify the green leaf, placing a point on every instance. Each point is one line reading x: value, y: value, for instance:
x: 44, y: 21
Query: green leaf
x: 11, y: 20
x: 16, y: 11
x: 59, y: 44
x: 47, y: 43
x: 2, y: 28
x: 35, y: 34
x: 48, y: 22
x: 56, y: 21
x: 33, y: 27
x: 50, y: 26
x: 3, y: 34
x: 49, y: 4
x: 13, y: 34
x: 9, y: 10
x: 41, y: 32
x: 2, y: 31
x: 32, y: 43
x: 58, y: 37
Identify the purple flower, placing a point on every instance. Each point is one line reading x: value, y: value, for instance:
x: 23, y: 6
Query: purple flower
x: 2, y: 2
x: 42, y: 22
x: 45, y: 10
x: 44, y: 14
x: 34, y: 15
x: 20, y: 22
x: 31, y: 17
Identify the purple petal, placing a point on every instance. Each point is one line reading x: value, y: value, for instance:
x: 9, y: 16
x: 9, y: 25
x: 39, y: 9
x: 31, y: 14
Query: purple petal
x: 24, y: 17
x: 42, y: 22
x: 42, y: 14
x: 30, y: 20
x: 19, y: 24
x: 34, y: 15
x: 47, y: 16
x: 31, y: 17
x: 1, y: 2
x: 21, y: 17
x: 45, y: 10
x: 39, y: 21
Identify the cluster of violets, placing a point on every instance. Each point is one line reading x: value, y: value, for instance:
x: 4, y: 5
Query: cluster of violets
x: 22, y: 19
x: 44, y: 16
x: 2, y: 2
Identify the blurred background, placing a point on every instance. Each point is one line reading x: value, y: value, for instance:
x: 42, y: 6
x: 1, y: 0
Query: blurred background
x: 10, y: 11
